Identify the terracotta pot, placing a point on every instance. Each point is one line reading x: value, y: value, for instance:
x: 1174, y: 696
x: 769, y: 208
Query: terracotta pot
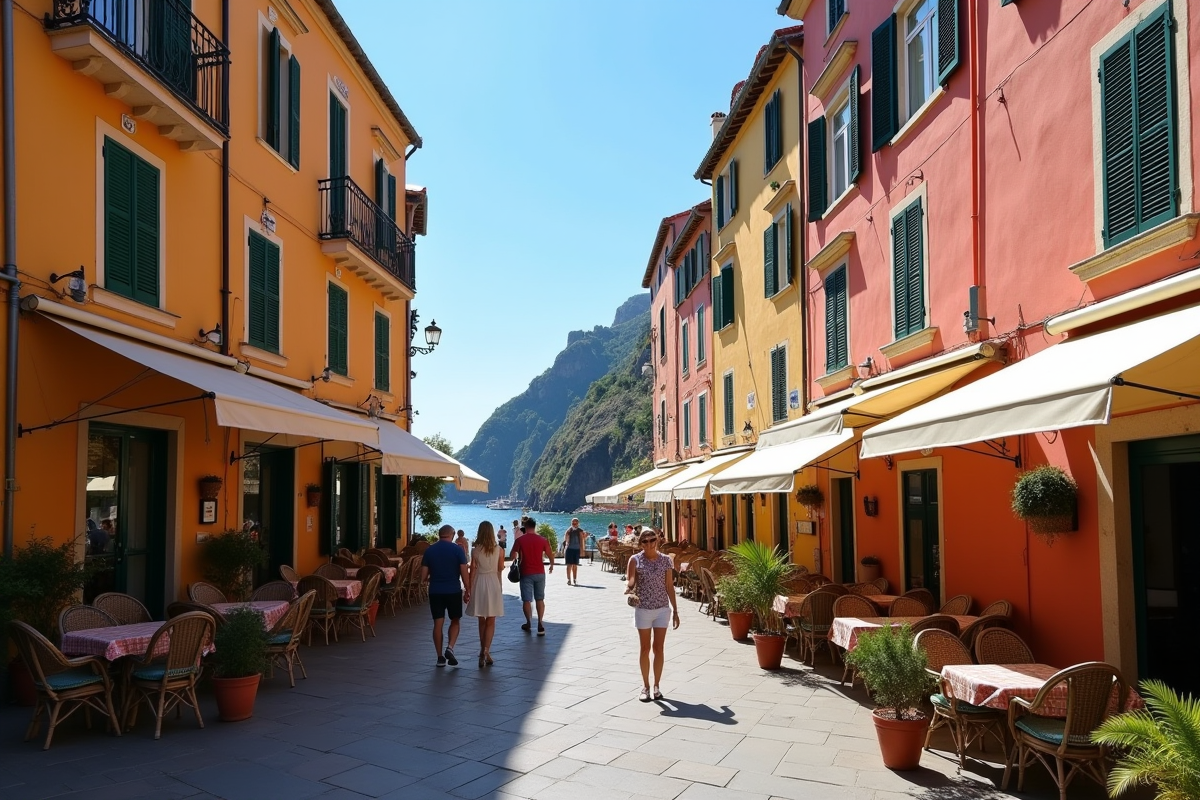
x: 868, y: 572
x: 312, y: 498
x: 901, y: 740
x: 24, y: 692
x: 769, y: 647
x: 235, y: 697
x: 739, y: 623
x: 210, y: 490
x: 373, y: 612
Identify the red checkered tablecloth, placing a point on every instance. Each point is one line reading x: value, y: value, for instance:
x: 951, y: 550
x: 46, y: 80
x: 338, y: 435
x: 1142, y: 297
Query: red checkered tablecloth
x: 788, y: 605
x: 271, y: 610
x: 348, y: 590
x: 114, y: 642
x: 994, y: 685
x: 389, y: 573
x: 846, y: 630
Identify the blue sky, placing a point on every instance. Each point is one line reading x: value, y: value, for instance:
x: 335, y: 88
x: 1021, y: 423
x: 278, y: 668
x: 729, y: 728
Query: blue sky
x: 557, y: 135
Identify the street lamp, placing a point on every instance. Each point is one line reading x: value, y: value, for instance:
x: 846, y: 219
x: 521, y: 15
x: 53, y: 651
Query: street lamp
x: 433, y: 335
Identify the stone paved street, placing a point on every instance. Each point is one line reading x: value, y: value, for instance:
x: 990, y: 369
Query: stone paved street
x: 556, y: 717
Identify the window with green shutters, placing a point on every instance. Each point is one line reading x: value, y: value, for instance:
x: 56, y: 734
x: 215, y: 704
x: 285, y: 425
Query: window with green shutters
x: 837, y: 336
x: 726, y: 191
x: 131, y: 224
x: 702, y: 419
x: 1138, y: 130
x: 717, y: 290
x: 339, y: 330
x: 818, y: 182
x: 281, y: 98
x: 662, y: 330
x: 263, y: 304
x: 926, y: 45
x: 779, y: 408
x: 383, y: 352
x: 727, y: 288
x: 777, y: 254
x: 908, y: 271
x: 701, y: 335
x: 727, y: 403
x: 662, y: 421
x: 836, y: 9
x: 684, y: 355
x: 773, y: 131
x: 687, y: 423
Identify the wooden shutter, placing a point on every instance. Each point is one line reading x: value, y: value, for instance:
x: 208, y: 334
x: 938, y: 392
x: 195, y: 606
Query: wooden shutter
x: 836, y: 340
x: 273, y: 99
x: 701, y: 335
x: 836, y: 9
x: 361, y: 528
x: 391, y: 197
x: 685, y: 355
x: 720, y: 193
x: 337, y: 138
x: 257, y: 302
x: 118, y: 218
x: 854, y: 139
x: 727, y: 392
x: 145, y: 206
x: 817, y: 178
x: 768, y: 130
x: 770, y: 284
x: 389, y: 511
x: 733, y: 186
x: 271, y: 290
x: 786, y: 268
x: 908, y: 272
x: 702, y: 419
x: 716, y: 302
x: 778, y: 384
x: 1117, y: 121
x: 380, y: 184
x: 899, y: 277
x: 1154, y: 79
x: 687, y: 424
x: 885, y: 109
x: 294, y: 112
x: 383, y: 352
x: 338, y: 333
x: 727, y: 295
x: 948, y: 35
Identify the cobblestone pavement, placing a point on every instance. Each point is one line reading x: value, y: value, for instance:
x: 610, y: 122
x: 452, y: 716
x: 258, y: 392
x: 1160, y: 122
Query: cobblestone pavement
x: 555, y: 717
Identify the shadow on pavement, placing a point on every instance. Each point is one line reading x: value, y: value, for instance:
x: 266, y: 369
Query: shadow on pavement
x: 674, y: 708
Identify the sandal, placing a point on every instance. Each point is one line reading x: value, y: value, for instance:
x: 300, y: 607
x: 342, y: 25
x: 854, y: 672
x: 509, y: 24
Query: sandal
x: 644, y: 695
x: 487, y: 658
x: 657, y: 694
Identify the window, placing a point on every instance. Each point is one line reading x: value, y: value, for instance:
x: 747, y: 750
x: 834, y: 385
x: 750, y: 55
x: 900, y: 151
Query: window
x: 831, y: 174
x: 263, y: 305
x: 777, y: 253
x: 131, y: 224
x: 1137, y: 120
x: 722, y: 292
x: 727, y: 402
x: 662, y: 420
x: 702, y: 418
x: 385, y: 189
x: 920, y: 45
x: 662, y: 330
x: 836, y: 9
x: 908, y: 270
x: 700, y: 335
x: 383, y: 352
x: 339, y: 320
x: 687, y: 423
x: 691, y: 270
x: 726, y: 194
x: 338, y: 138
x: 779, y: 406
x: 910, y: 56
x: 685, y: 356
x: 837, y: 338
x: 280, y: 97
x: 773, y: 132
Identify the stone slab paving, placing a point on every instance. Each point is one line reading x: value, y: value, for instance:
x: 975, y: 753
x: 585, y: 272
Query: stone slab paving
x: 555, y: 717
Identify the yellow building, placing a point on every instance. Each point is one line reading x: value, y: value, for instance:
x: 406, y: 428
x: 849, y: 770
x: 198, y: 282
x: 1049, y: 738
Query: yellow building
x: 216, y: 263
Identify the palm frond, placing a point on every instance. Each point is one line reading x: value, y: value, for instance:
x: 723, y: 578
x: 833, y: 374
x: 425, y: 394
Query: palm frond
x: 1158, y: 747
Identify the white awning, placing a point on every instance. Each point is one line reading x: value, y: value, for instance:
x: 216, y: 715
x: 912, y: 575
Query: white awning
x: 405, y: 454
x: 468, y: 479
x: 1082, y: 381
x: 241, y: 401
x: 624, y: 491
x: 773, y: 468
x: 662, y: 492
x: 696, y: 488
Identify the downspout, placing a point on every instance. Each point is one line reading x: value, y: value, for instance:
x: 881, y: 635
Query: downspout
x: 977, y: 274
x: 10, y: 276
x: 225, y: 290
x: 801, y: 194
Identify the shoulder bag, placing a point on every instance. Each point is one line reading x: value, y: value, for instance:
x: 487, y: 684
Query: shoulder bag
x: 514, y: 571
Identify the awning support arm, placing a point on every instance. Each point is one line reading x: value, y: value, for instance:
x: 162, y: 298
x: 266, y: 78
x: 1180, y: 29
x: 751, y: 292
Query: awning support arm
x: 832, y: 469
x: 234, y: 457
x: 998, y: 451
x: 21, y: 431
x: 1119, y: 381
x: 850, y: 412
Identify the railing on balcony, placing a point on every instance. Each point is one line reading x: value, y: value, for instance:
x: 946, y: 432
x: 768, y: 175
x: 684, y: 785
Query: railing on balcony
x: 348, y: 213
x: 167, y: 40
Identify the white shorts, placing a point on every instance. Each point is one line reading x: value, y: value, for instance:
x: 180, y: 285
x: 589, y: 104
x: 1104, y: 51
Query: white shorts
x: 645, y: 618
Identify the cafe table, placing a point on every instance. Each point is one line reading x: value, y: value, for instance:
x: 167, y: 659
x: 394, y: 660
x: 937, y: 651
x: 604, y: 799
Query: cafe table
x: 271, y: 610
x: 347, y: 589
x: 845, y: 630
x: 115, y: 641
x: 389, y: 573
x: 995, y: 685
x: 788, y: 605
x: 882, y: 601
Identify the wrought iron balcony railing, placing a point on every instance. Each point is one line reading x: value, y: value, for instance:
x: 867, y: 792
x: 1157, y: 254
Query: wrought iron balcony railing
x: 166, y: 39
x: 348, y: 213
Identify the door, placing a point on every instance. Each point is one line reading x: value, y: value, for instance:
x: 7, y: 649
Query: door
x: 782, y: 540
x: 843, y: 498
x: 339, y: 183
x: 387, y: 509
x: 126, y: 499
x: 749, y: 500
x: 269, y: 508
x: 1164, y: 478
x: 701, y: 520
x: 346, y: 507
x: 922, y: 550
x: 735, y: 506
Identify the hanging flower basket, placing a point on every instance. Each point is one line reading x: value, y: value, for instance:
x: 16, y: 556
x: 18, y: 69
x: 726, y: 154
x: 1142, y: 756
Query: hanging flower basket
x: 210, y: 487
x: 810, y: 496
x: 312, y: 495
x: 1047, y: 499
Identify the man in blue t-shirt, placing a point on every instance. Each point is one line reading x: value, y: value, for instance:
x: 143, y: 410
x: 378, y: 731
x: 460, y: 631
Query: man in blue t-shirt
x: 444, y: 565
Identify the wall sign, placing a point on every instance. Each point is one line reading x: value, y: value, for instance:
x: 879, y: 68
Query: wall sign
x: 342, y: 88
x: 750, y: 401
x: 208, y: 512
x: 794, y: 398
x: 128, y: 124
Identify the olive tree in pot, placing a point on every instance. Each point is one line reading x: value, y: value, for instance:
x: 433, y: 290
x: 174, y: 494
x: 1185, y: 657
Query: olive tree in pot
x: 241, y: 657
x: 738, y: 604
x: 230, y: 560
x: 1047, y: 499
x: 763, y: 571
x: 895, y: 671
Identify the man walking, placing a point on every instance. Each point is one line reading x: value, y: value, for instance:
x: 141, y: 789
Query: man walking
x: 444, y: 565
x: 531, y: 548
x: 573, y: 541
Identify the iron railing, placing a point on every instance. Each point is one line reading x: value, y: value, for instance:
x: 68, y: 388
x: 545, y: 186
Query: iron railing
x: 348, y: 213
x: 167, y: 40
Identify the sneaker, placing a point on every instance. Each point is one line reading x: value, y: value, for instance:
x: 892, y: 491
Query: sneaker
x: 450, y: 659
x: 441, y: 662
x: 525, y: 627
x: 541, y: 631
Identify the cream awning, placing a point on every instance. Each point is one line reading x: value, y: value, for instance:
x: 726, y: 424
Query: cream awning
x: 663, y: 491
x: 697, y: 488
x: 468, y: 479
x: 773, y: 468
x: 1082, y: 381
x: 624, y: 490
x: 405, y: 454
x: 241, y: 401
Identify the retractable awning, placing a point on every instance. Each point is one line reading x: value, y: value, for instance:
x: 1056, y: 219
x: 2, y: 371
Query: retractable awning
x: 663, y: 491
x: 1083, y: 381
x: 624, y: 491
x: 241, y: 401
x: 405, y: 454
x: 468, y: 479
x: 773, y: 469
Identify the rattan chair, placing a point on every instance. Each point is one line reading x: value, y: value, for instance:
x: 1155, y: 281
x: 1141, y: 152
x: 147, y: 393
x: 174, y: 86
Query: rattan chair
x: 926, y: 598
x: 334, y: 572
x: 835, y: 589
x: 957, y: 606
x: 183, y: 607
x: 125, y: 609
x: 967, y: 723
x: 82, y: 618
x: 64, y: 685
x: 274, y: 590
x: 1002, y: 646
x: 712, y: 594
x: 815, y: 619
x: 288, y: 574
x: 881, y: 585
x: 283, y: 646
x: 356, y: 613
x: 345, y: 562
x: 1090, y: 691
x: 941, y: 622
x: 165, y: 683
x: 819, y: 580
x: 906, y: 606
x: 852, y: 605
x: 1001, y: 607
x: 206, y: 593
x: 969, y: 633
x: 861, y: 588
x: 376, y: 559
x: 323, y: 612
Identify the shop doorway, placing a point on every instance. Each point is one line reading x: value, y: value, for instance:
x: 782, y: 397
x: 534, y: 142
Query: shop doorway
x: 1164, y: 478
x: 922, y: 550
x: 127, y: 512
x: 781, y: 525
x: 843, y: 499
x: 346, y: 507
x: 269, y: 506
x: 749, y: 498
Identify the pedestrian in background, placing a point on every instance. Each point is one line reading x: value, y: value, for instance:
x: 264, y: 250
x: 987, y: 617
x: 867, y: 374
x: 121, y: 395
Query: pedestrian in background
x: 444, y: 565
x: 487, y: 593
x: 531, y: 547
x: 572, y: 548
x: 649, y: 578
x: 502, y: 540
x: 462, y: 542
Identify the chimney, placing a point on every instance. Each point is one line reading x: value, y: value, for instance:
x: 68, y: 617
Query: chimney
x: 718, y: 119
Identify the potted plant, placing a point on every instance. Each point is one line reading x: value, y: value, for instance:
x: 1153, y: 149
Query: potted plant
x: 1157, y: 747
x: 1046, y: 498
x: 312, y: 495
x: 230, y: 560
x: 869, y: 568
x: 763, y: 571
x: 738, y: 605
x: 210, y: 487
x: 810, y: 496
x: 241, y: 657
x: 896, y: 672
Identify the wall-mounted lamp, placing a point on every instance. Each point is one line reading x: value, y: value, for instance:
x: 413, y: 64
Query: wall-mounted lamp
x: 213, y: 336
x: 408, y: 408
x: 374, y: 406
x: 868, y: 365
x: 76, y: 285
x: 888, y: 462
x: 433, y: 335
x: 242, y: 367
x: 871, y: 506
x: 325, y: 375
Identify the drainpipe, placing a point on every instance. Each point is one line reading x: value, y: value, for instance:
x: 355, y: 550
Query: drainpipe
x: 10, y: 276
x: 801, y: 193
x: 225, y: 291
x: 978, y: 275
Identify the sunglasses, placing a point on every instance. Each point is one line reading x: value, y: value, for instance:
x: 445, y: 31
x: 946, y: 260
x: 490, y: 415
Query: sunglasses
x: 650, y: 539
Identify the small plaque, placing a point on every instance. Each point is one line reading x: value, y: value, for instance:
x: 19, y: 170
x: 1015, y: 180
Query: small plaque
x: 272, y: 14
x: 342, y: 88
x: 128, y: 124
x: 208, y: 512
x: 794, y: 398
x: 750, y: 398
x: 805, y: 526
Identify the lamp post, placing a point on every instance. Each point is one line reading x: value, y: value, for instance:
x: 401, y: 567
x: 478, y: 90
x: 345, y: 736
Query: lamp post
x: 433, y: 335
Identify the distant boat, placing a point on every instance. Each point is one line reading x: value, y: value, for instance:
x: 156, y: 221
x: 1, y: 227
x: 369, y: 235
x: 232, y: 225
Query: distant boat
x: 624, y: 508
x: 506, y: 504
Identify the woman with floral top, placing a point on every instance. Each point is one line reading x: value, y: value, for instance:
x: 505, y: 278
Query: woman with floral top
x: 649, y: 576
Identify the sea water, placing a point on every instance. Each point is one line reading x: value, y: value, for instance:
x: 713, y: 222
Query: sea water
x: 467, y: 518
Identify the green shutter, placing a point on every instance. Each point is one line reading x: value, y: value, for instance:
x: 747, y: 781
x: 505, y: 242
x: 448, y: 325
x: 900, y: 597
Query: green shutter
x: 118, y: 218
x: 294, y: 112
x: 948, y: 36
x: 727, y: 295
x: 719, y: 190
x: 908, y: 272
x: 768, y: 129
x: 145, y: 260
x: 817, y: 179
x: 389, y: 511
x: 685, y: 355
x: 836, y: 340
x: 701, y: 334
x: 854, y: 138
x: 383, y: 352
x: 716, y: 302
x: 337, y: 138
x: 687, y: 424
x: 271, y: 285
x: 274, y: 121
x: 702, y: 418
x: 836, y: 9
x: 381, y: 177
x: 338, y: 330
x: 1117, y: 121
x: 727, y: 392
x: 329, y: 539
x: 787, y: 268
x: 770, y: 284
x: 391, y: 197
x: 256, y: 305
x: 899, y: 277
x: 733, y: 187
x: 1154, y: 78
x: 885, y: 110
x: 778, y: 384
x: 662, y: 327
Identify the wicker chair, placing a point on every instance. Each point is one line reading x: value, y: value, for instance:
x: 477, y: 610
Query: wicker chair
x: 376, y: 559
x: 957, y: 606
x: 333, y: 572
x: 968, y: 723
x: 712, y: 595
x: 125, y: 609
x: 284, y: 638
x: 389, y: 591
x: 906, y: 606
x: 835, y: 589
x: 941, y: 622
x: 925, y: 596
x: 1002, y: 646
x: 815, y: 618
x: 323, y: 612
x: 206, y: 593
x: 63, y: 684
x: 819, y: 580
x: 851, y: 605
x: 881, y: 585
x: 355, y: 613
x: 345, y: 562
x: 179, y: 608
x: 82, y: 618
x: 274, y: 590
x: 861, y: 588
x: 288, y: 574
x: 1090, y: 690
x: 165, y: 683
x: 969, y: 633
x: 1001, y: 607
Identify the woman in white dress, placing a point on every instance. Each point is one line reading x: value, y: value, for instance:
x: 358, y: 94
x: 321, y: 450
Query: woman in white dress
x: 487, y: 593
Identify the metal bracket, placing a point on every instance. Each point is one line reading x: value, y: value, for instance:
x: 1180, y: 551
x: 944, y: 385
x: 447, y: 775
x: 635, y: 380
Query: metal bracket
x: 234, y: 457
x: 21, y: 430
x: 1119, y: 381
x: 999, y: 450
x: 832, y: 469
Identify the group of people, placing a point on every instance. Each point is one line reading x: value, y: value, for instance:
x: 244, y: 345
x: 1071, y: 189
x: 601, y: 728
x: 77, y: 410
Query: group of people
x: 457, y: 576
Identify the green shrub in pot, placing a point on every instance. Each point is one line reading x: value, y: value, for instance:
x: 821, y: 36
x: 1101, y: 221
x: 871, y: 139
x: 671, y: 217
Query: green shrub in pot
x: 1046, y: 498
x: 230, y: 560
x: 39, y: 580
x: 241, y: 645
x: 894, y: 670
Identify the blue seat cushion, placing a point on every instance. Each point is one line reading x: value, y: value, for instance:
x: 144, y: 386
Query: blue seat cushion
x: 352, y: 609
x: 321, y: 612
x: 1049, y: 729
x: 71, y: 679
x: 155, y: 672
x: 808, y: 626
x: 941, y: 701
x: 281, y: 638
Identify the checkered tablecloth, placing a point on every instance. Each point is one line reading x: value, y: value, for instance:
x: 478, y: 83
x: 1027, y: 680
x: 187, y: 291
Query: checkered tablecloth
x: 395, y: 560
x: 114, y: 642
x: 881, y: 601
x: 348, y: 590
x: 994, y: 685
x: 846, y: 630
x: 788, y: 605
x: 271, y: 610
x: 389, y: 573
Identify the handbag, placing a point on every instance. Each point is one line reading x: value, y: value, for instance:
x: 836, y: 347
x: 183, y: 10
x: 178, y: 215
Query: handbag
x: 631, y: 597
x: 514, y: 571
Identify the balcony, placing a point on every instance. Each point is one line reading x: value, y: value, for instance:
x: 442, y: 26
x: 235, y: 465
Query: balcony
x: 153, y: 55
x: 360, y: 236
